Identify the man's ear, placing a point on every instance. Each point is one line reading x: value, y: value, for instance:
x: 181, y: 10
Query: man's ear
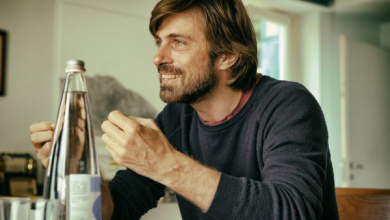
x: 225, y: 61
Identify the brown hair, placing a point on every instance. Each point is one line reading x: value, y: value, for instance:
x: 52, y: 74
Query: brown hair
x: 228, y: 30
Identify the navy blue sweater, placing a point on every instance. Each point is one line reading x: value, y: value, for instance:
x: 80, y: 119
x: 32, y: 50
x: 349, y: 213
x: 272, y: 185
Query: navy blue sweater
x: 273, y: 157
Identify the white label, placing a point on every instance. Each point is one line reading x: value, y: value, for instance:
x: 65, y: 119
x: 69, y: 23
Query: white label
x: 84, y: 201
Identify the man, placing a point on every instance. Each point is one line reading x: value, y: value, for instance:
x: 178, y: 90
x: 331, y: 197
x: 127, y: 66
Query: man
x: 231, y: 143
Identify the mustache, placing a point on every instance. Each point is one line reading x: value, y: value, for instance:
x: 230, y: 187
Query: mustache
x: 169, y: 69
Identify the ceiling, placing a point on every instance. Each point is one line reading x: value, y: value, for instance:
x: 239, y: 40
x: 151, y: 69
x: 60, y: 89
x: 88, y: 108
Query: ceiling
x: 370, y: 10
x: 376, y: 11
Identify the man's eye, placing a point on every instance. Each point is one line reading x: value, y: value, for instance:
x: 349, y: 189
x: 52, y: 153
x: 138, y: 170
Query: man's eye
x: 179, y: 43
x: 158, y: 44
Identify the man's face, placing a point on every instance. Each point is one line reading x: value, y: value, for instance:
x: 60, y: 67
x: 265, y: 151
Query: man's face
x: 185, y: 69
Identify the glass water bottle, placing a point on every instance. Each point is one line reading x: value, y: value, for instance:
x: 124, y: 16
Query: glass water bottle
x: 72, y: 175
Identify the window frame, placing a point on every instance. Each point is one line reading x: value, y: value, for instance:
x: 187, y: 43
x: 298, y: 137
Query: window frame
x: 287, y: 63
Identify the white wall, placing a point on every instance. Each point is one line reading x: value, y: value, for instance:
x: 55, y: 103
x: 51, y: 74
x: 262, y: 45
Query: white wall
x: 317, y: 55
x: 29, y: 73
x: 308, y: 52
x: 332, y: 27
x: 113, y: 39
x: 319, y: 64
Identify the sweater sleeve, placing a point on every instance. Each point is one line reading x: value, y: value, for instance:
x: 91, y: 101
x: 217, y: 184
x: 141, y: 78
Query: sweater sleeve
x: 292, y: 151
x: 133, y: 195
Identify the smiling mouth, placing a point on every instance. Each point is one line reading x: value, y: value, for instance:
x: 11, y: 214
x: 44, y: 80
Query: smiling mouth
x: 169, y: 76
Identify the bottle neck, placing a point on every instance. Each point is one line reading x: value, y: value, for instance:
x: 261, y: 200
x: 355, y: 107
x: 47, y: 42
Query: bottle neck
x: 75, y: 82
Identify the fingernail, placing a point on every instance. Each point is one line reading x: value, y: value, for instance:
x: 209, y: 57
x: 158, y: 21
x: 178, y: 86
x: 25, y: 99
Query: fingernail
x: 53, y: 125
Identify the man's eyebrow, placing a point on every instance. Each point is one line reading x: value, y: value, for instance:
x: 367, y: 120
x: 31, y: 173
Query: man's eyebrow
x: 175, y: 35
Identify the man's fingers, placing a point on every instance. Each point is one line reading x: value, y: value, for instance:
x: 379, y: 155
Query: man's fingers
x: 113, y: 131
x: 82, y: 113
x: 81, y: 124
x: 44, y: 152
x: 118, y: 118
x: 123, y: 121
x: 45, y: 162
x: 127, y: 124
x: 42, y: 126
x: 41, y: 137
x: 112, y: 147
x: 147, y: 122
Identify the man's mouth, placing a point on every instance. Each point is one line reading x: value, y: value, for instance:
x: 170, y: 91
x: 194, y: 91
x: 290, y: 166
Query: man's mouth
x: 168, y: 72
x: 169, y: 76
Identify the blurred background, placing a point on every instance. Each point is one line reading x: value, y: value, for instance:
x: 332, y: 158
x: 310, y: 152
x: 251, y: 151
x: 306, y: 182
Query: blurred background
x: 338, y: 49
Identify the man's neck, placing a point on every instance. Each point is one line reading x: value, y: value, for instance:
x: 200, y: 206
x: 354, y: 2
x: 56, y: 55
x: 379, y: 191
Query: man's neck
x: 218, y: 104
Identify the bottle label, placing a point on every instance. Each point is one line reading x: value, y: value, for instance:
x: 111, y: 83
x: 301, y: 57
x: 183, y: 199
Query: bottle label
x: 84, y: 197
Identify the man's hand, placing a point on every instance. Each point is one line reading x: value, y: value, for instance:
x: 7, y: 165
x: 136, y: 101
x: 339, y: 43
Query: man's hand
x: 139, y: 145
x: 42, y: 135
x: 41, y: 139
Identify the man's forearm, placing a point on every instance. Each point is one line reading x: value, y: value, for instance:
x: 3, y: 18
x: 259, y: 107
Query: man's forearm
x: 192, y: 180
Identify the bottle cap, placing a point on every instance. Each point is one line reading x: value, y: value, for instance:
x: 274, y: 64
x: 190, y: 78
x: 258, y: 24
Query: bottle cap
x: 74, y: 65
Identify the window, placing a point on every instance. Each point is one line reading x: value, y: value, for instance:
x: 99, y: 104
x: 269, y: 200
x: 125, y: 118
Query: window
x: 271, y: 50
x: 271, y: 34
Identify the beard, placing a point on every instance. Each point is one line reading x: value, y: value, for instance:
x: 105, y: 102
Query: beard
x: 199, y: 84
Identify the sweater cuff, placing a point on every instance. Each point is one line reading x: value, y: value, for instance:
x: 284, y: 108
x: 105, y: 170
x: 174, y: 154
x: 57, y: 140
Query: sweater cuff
x: 222, y: 206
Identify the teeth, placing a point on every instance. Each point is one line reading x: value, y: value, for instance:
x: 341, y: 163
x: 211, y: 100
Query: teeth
x: 170, y: 76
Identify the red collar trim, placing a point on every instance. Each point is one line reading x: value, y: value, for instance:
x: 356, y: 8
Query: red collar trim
x: 244, y: 98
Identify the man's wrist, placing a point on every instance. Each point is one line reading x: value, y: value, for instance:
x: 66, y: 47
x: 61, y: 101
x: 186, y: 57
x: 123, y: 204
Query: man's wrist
x: 175, y: 171
x: 194, y: 181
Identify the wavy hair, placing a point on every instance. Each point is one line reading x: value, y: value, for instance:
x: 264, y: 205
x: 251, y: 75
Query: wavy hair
x: 229, y: 30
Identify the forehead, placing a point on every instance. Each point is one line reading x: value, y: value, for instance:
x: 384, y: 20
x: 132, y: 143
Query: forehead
x: 189, y: 23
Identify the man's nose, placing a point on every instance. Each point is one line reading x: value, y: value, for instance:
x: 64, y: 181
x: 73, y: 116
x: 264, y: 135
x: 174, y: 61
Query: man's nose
x: 163, y: 55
